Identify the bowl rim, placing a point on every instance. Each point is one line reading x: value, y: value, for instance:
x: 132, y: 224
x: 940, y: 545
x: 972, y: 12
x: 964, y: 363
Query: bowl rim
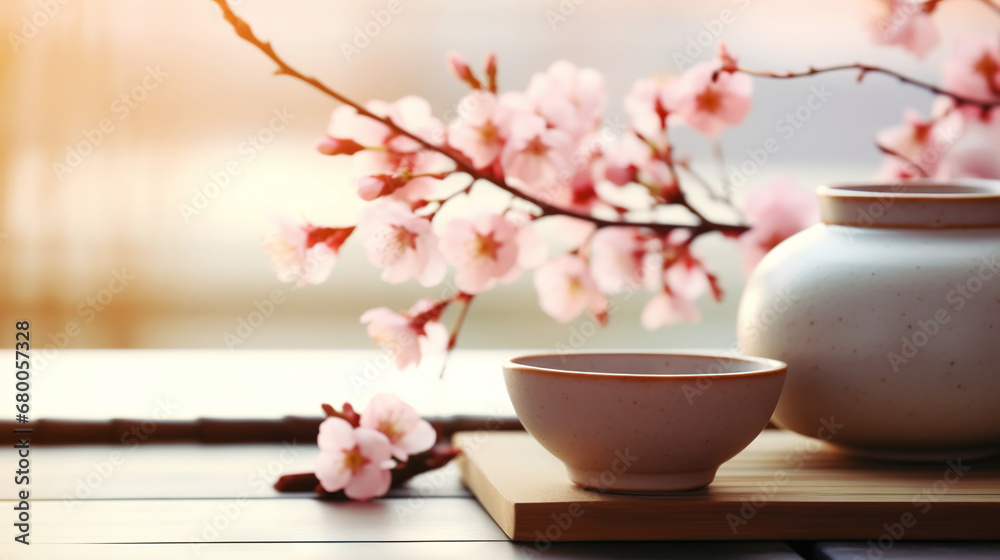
x: 935, y: 189
x: 768, y: 366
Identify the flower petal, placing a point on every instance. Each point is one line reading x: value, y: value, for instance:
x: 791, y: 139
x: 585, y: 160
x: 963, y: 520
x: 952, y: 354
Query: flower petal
x: 331, y: 472
x: 335, y: 434
x: 419, y: 438
x: 374, y: 445
x: 371, y: 481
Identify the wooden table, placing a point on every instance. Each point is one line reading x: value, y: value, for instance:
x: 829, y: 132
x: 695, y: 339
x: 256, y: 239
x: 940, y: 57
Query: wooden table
x: 190, y: 500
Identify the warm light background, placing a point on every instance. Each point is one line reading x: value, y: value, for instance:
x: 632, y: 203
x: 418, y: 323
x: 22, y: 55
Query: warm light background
x: 192, y: 281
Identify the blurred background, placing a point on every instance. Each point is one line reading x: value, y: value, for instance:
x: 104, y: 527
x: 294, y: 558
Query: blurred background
x: 146, y: 149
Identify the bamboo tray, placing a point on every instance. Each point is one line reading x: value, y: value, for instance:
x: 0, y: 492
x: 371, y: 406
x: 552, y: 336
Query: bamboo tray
x: 783, y: 486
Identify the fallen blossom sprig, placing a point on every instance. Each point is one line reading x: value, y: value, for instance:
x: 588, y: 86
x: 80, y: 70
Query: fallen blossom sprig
x: 363, y: 455
x: 605, y: 189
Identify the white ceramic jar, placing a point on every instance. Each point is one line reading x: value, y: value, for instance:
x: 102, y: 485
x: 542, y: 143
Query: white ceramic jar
x: 888, y: 316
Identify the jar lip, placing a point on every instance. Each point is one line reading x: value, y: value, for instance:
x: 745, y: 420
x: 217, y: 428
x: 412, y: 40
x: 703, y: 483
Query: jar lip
x: 915, y: 189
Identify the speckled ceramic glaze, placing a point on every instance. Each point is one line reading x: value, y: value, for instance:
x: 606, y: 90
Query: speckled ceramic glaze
x: 888, y: 315
x: 643, y: 422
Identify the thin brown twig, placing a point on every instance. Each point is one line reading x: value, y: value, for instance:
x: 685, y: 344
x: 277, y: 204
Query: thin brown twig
x: 667, y: 157
x: 466, y: 301
x: 244, y: 31
x: 701, y: 180
x: 863, y: 69
x: 443, y: 201
x: 889, y: 151
x: 720, y: 163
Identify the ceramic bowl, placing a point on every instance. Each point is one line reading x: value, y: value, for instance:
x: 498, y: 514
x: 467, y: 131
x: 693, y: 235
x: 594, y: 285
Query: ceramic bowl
x: 631, y: 422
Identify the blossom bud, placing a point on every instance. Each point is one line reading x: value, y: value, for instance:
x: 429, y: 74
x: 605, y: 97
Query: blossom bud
x: 331, y: 237
x: 491, y: 71
x: 459, y: 66
x: 620, y: 175
x: 370, y: 188
x: 726, y: 60
x: 330, y: 146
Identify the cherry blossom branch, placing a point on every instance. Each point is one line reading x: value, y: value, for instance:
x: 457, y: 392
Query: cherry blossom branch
x: 667, y: 157
x: 720, y: 162
x: 435, y: 458
x: 243, y: 30
x: 890, y: 152
x: 465, y: 300
x: 869, y: 69
x: 723, y: 196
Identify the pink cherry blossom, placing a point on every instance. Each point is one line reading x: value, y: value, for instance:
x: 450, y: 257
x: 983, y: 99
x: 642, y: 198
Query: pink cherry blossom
x: 907, y: 24
x: 974, y: 155
x: 684, y: 280
x: 532, y: 250
x: 571, y: 99
x: 407, y: 176
x: 574, y: 189
x: 646, y: 106
x: 623, y: 159
x: 631, y: 160
x: 617, y: 258
x: 305, y: 253
x: 483, y: 249
x: 402, y: 244
x: 921, y: 142
x: 407, y: 432
x: 974, y: 70
x: 667, y: 309
x: 347, y: 124
x: 414, y: 115
x: 895, y: 169
x: 708, y: 99
x: 687, y: 278
x: 581, y: 192
x: 566, y: 289
x: 355, y: 460
x: 620, y: 173
x: 977, y: 163
x: 407, y: 337
x: 776, y: 211
x: 392, y: 164
x: 660, y: 181
x: 481, y: 129
x: 534, y: 154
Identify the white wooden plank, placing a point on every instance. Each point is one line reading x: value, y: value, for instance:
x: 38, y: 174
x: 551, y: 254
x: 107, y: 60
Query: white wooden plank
x: 275, y: 520
x: 417, y: 551
x: 72, y: 473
